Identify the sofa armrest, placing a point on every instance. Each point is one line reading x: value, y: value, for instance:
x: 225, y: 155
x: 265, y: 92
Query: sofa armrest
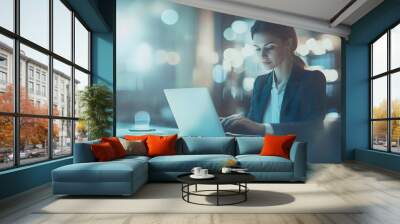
x: 298, y: 155
x: 83, y: 152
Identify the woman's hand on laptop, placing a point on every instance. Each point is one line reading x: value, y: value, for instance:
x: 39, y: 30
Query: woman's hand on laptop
x: 237, y: 123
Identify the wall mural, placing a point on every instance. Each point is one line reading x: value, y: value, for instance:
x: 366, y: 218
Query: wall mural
x: 261, y: 77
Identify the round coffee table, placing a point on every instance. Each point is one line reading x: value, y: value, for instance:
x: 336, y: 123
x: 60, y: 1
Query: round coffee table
x: 238, y: 179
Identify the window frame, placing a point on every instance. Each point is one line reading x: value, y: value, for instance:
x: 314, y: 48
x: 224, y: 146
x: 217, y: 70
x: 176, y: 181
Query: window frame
x: 388, y: 74
x: 16, y: 115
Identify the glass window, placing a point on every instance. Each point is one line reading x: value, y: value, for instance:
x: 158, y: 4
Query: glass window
x: 62, y: 29
x: 6, y: 73
x: 7, y: 14
x: 37, y: 89
x: 34, y: 80
x: 3, y: 60
x: 379, y: 135
x: 385, y: 139
x: 33, y: 140
x: 6, y: 142
x: 40, y: 62
x: 379, y: 56
x: 3, y: 78
x: 395, y: 136
x: 30, y: 71
x: 62, y: 72
x: 30, y: 87
x: 62, y: 138
x: 81, y: 45
x: 395, y: 95
x: 81, y: 81
x: 379, y: 98
x: 37, y: 75
x: 35, y: 21
x: 395, y: 47
x: 44, y: 91
x: 81, y: 131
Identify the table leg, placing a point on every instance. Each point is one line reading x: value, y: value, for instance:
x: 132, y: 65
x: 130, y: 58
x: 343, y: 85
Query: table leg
x: 245, y: 193
x: 217, y: 194
x: 188, y: 189
x: 195, y: 188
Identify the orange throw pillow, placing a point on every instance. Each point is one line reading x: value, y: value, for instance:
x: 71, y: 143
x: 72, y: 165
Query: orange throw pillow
x: 161, y: 145
x: 116, y: 145
x: 277, y: 145
x: 103, y: 152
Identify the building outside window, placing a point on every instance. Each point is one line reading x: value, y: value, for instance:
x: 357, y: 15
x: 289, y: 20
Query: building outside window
x: 30, y: 72
x: 58, y: 134
x: 30, y: 87
x: 3, y: 78
x: 43, y: 90
x: 3, y: 61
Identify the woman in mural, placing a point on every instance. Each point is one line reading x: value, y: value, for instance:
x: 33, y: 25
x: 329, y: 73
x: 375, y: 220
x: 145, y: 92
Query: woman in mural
x: 289, y: 98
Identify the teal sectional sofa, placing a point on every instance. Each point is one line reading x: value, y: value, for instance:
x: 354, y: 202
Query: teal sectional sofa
x: 125, y: 176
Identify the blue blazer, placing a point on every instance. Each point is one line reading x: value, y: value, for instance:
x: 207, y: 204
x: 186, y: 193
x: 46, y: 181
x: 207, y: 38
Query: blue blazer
x: 304, y: 99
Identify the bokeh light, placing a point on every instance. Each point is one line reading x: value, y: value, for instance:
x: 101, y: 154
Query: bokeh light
x: 303, y: 50
x: 240, y: 27
x: 219, y: 75
x: 331, y: 75
x: 315, y: 46
x: 327, y: 43
x: 229, y: 34
x: 234, y: 57
x: 248, y: 83
x: 169, y: 17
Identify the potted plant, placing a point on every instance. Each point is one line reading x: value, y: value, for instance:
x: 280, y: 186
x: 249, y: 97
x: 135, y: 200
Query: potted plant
x: 96, y: 103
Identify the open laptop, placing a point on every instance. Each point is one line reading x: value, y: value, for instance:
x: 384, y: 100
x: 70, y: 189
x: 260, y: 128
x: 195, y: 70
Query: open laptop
x: 194, y: 112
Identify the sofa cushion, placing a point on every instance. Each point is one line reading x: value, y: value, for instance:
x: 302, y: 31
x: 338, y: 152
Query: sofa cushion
x: 161, y: 145
x: 134, y: 147
x: 249, y: 145
x: 83, y: 152
x: 103, y: 152
x: 277, y: 145
x: 116, y: 145
x: 111, y: 171
x: 185, y: 163
x: 257, y: 163
x: 207, y: 145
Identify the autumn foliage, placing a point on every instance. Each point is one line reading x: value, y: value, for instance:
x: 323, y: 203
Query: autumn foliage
x: 33, y: 131
x: 380, y: 127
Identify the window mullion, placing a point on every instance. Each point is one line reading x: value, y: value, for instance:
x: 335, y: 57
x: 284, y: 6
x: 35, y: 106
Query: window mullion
x: 73, y: 82
x: 389, y: 106
x: 16, y: 84
x: 50, y: 77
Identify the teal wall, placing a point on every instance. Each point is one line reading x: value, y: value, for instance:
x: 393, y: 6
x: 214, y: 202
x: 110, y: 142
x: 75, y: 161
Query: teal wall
x: 357, y: 84
x: 102, y: 58
x: 24, y: 178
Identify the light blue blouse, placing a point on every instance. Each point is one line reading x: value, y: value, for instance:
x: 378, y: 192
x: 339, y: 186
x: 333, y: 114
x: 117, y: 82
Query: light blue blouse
x: 273, y: 111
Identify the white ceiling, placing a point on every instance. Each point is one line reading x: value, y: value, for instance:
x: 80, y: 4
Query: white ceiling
x: 319, y: 9
x: 313, y: 15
